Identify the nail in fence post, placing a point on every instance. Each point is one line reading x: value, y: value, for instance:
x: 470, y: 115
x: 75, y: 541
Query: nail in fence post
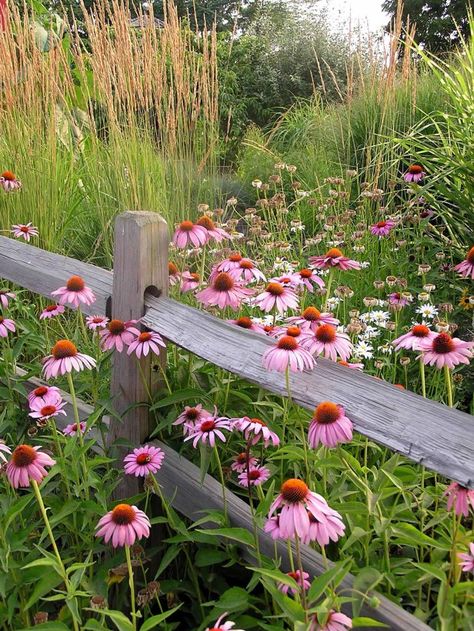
x: 140, y: 264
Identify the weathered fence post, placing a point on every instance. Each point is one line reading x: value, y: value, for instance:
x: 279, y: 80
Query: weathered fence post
x: 140, y: 265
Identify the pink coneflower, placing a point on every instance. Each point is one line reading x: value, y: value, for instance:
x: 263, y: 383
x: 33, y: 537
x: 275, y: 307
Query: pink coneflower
x: 466, y: 267
x: 444, y: 350
x: 411, y: 340
x: 244, y: 322
x: 223, y: 626
x: 467, y: 559
x: 230, y: 263
x: 351, y: 365
x: 146, y: 342
x: 4, y: 449
x: 288, y: 354
x: 336, y: 621
x: 311, y: 318
x: 189, y: 234
x: 9, y: 183
x: 308, y: 278
x: 190, y: 416
x: 460, y: 497
x: 24, y: 231
x: 189, y: 281
x: 247, y: 271
x: 5, y: 326
x: 224, y: 292
x: 256, y: 430
x: 75, y: 292
x: 65, y: 358
x: 213, y: 231
x: 96, y: 322
x: 327, y: 341
x: 43, y: 394
x: 272, y: 527
x: 208, y: 430
x: 292, y: 331
x: 382, y: 228
x: 296, y: 502
x: 72, y: 428
x: 255, y: 476
x: 301, y: 580
x: 5, y: 295
x: 173, y: 273
x: 27, y: 463
x: 329, y: 426
x: 277, y: 296
x: 333, y: 258
x: 123, y: 525
x: 51, y: 311
x: 118, y: 334
x: 415, y: 173
x: 48, y: 409
x: 287, y: 280
x: 397, y: 301
x: 330, y: 529
x: 144, y: 460
x: 243, y: 461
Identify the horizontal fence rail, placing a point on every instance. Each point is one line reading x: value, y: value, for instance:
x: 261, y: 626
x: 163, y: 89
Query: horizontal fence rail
x: 181, y: 484
x: 425, y: 431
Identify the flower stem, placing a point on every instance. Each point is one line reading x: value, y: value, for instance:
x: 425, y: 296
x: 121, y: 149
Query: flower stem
x: 449, y: 386
x: 422, y: 375
x: 80, y: 438
x: 44, y: 514
x: 131, y: 585
x: 221, y: 476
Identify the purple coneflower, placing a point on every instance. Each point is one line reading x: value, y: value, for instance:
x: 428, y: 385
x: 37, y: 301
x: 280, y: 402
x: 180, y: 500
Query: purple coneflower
x: 329, y: 426
x: 308, y: 278
x: 4, y: 449
x: 244, y: 322
x: 189, y: 281
x: 256, y: 430
x: 24, y: 231
x: 397, y: 301
x: 72, y: 428
x: 27, y: 463
x: 144, y: 460
x: 189, y: 234
x: 288, y: 354
x: 48, y: 409
x: 311, y: 318
x: 96, y: 322
x: 5, y: 326
x: 224, y: 292
x: 334, y: 258
x: 382, y: 228
x: 5, y: 295
x: 247, y: 271
x: 123, y: 525
x: 414, y: 173
x: 300, y: 578
x: 351, y: 365
x: 336, y: 621
x: 213, y: 231
x: 272, y: 527
x: 51, y: 311
x: 255, y: 476
x: 43, y: 394
x: 173, y: 273
x: 243, y: 461
x: 277, y: 296
x: 230, y: 263
x: 412, y: 340
x: 146, y: 342
x: 65, y: 358
x: 208, y: 431
x: 467, y: 559
x: 444, y: 350
x: 460, y: 497
x: 9, y: 183
x: 118, y: 334
x: 324, y: 531
x: 75, y: 292
x: 223, y: 626
x: 466, y: 267
x: 190, y: 416
x: 327, y: 341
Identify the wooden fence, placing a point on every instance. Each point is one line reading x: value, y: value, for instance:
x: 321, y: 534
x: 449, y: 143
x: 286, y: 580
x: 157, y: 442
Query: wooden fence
x: 424, y: 431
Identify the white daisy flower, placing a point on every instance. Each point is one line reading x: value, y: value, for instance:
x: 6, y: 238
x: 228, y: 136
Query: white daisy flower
x: 427, y: 311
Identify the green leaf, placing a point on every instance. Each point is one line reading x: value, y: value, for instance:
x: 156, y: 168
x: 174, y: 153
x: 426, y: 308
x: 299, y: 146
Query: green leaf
x: 276, y: 575
x: 43, y: 561
x: 410, y: 535
x: 432, y: 570
x: 178, y: 397
x: 49, y: 626
x: 209, y: 556
x: 168, y: 557
x: 319, y: 584
x: 233, y: 599
x: 118, y: 618
x: 152, y: 623
x: 367, y: 622
x: 236, y: 534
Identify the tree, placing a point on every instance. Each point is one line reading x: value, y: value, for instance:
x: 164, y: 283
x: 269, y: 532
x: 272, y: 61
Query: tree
x: 439, y: 23
x: 227, y: 14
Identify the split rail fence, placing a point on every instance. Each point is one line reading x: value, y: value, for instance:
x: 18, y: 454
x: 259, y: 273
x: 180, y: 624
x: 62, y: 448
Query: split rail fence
x: 424, y: 431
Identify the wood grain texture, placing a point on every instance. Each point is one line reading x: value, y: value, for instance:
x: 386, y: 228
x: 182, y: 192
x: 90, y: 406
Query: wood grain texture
x: 42, y: 272
x: 180, y: 481
x: 425, y: 431
x: 140, y: 264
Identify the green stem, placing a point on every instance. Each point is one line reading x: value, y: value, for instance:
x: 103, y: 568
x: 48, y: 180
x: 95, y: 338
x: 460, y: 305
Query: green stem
x: 221, y: 476
x: 131, y: 585
x: 79, y: 435
x: 449, y: 386
x: 423, y: 378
